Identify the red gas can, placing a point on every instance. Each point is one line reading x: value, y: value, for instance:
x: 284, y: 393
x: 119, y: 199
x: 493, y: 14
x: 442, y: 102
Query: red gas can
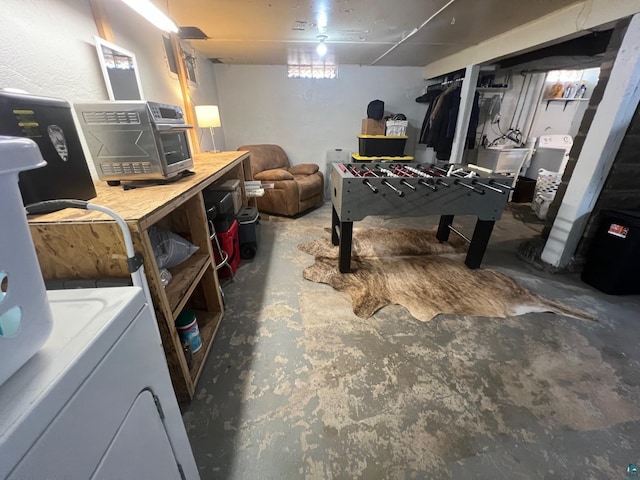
x: 230, y: 243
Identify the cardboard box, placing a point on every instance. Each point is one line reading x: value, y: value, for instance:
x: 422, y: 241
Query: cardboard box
x: 372, y: 127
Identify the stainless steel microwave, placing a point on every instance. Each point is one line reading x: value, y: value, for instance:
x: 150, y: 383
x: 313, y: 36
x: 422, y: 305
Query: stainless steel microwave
x: 135, y: 140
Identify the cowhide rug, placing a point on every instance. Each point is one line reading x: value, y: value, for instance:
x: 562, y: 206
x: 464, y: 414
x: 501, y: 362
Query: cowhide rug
x: 411, y: 268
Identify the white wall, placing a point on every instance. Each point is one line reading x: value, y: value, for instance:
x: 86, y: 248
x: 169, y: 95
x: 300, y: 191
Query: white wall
x: 205, y: 92
x: 306, y: 117
x: 46, y: 48
x: 554, y: 118
x: 523, y: 96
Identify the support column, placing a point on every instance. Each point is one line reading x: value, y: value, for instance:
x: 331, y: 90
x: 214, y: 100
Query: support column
x: 601, y: 144
x: 467, y: 95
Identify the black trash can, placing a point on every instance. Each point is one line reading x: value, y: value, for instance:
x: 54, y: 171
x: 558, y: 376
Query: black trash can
x: 249, y: 232
x: 613, y: 261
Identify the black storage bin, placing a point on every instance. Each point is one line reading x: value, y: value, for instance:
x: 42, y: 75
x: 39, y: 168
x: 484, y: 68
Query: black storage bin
x: 525, y: 188
x: 222, y: 223
x: 219, y: 207
x: 381, y: 146
x: 223, y: 201
x: 249, y: 232
x: 613, y: 261
x: 212, y: 211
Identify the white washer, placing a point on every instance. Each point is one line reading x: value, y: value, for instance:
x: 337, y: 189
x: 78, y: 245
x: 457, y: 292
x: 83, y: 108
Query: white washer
x: 96, y: 401
x: 552, y: 154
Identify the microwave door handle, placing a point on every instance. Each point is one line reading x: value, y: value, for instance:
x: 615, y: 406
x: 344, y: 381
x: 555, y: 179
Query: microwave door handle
x: 165, y: 128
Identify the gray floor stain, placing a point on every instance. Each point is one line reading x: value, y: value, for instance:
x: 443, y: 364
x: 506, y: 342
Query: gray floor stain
x: 297, y: 386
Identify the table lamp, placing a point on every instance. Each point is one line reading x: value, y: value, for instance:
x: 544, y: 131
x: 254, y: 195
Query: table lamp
x: 208, y: 116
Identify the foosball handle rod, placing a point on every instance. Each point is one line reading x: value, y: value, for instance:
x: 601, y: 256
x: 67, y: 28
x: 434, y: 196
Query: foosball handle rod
x: 364, y: 167
x: 489, y: 187
x: 428, y: 185
x: 404, y: 182
x: 476, y: 190
x: 368, y: 184
x: 501, y: 185
x: 400, y: 193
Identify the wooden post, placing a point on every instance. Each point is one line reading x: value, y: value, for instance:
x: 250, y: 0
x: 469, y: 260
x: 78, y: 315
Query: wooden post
x: 99, y: 16
x: 183, y: 78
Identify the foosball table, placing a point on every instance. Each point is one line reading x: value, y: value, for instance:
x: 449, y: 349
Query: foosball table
x: 416, y: 190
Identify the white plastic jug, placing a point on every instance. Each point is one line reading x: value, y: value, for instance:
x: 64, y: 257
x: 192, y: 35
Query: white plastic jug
x: 25, y: 316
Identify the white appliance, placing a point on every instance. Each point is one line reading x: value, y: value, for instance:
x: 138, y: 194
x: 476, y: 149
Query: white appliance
x: 552, y: 154
x: 96, y: 401
x: 25, y: 317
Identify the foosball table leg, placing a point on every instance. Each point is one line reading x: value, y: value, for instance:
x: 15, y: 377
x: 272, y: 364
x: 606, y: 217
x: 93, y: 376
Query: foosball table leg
x: 443, y: 228
x: 335, y: 221
x: 344, y: 251
x: 479, y: 242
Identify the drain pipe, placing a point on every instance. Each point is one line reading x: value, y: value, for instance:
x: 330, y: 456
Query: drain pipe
x: 413, y: 32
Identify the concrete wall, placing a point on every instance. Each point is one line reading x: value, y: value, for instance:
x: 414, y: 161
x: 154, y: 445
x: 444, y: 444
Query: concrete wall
x: 46, y: 48
x: 309, y: 117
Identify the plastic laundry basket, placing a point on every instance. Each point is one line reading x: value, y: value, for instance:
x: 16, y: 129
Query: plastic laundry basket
x: 545, y: 191
x: 25, y: 316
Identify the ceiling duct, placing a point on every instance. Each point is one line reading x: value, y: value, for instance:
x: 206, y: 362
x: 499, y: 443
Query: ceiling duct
x: 191, y: 33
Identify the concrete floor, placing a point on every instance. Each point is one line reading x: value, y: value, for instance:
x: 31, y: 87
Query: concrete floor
x: 297, y: 386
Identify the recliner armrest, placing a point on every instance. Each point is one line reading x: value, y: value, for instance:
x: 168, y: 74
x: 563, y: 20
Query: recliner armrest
x: 304, y: 169
x: 272, y: 175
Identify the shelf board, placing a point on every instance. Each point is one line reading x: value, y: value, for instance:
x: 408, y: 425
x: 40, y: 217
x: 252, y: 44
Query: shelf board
x: 565, y: 100
x: 492, y: 89
x: 208, y: 323
x: 184, y: 279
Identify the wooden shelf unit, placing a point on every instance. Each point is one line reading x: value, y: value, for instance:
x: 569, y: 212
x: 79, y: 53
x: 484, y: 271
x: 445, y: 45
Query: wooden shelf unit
x: 83, y: 244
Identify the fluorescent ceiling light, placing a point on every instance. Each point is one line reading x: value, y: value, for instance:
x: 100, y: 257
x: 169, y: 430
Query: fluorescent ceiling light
x: 153, y: 14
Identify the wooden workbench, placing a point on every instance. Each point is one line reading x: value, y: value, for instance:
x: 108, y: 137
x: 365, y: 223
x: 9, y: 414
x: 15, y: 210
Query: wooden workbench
x: 82, y: 244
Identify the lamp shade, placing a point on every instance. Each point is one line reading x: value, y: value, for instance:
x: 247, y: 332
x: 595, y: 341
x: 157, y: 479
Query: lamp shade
x: 208, y: 116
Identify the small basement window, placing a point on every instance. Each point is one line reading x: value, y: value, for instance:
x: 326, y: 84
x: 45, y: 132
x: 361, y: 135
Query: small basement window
x: 325, y: 71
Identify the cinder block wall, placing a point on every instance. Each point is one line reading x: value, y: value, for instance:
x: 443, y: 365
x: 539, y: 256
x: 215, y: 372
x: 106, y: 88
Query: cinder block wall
x: 621, y: 190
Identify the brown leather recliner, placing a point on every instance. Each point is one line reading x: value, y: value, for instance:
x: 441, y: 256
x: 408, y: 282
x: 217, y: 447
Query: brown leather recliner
x: 295, y: 188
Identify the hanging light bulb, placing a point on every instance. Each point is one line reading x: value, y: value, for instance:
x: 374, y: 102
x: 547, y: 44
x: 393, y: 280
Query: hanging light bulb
x: 321, y: 49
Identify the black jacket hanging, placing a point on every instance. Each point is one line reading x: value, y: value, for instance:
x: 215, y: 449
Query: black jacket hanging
x: 439, y: 126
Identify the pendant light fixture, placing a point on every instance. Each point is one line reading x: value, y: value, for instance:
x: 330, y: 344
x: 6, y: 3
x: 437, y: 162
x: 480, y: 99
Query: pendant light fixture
x: 321, y: 49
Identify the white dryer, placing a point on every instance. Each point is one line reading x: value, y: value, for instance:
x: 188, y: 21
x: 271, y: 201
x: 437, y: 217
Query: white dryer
x: 96, y: 402
x: 551, y: 153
